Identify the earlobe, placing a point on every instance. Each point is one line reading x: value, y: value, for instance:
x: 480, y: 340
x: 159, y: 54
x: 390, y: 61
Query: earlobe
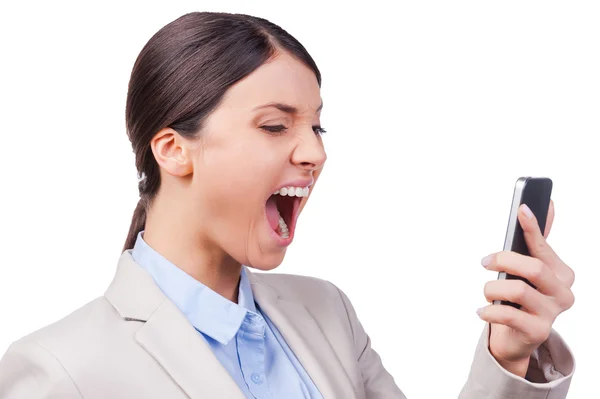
x: 170, y: 153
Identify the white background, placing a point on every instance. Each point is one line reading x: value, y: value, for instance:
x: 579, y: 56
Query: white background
x: 433, y: 110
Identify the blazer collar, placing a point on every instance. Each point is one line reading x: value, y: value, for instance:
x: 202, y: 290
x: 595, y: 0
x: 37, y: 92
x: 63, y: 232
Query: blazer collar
x: 209, y: 312
x: 169, y: 337
x: 306, y: 339
x: 166, y: 334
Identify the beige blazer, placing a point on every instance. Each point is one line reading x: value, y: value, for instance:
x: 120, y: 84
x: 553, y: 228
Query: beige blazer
x: 134, y: 343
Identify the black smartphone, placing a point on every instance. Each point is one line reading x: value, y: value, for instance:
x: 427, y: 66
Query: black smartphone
x: 535, y: 193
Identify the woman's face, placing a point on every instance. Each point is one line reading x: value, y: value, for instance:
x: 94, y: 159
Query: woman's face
x: 263, y: 138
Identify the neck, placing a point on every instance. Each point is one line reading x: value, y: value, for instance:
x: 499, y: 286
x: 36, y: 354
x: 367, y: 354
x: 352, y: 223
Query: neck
x: 193, y: 253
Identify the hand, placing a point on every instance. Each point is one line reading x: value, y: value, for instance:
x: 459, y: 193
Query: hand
x: 516, y: 333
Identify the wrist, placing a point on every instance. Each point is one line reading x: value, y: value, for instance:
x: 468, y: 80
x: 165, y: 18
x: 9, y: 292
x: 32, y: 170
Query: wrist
x: 517, y: 367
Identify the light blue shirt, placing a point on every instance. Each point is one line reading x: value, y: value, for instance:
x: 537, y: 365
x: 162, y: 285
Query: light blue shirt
x: 242, y: 338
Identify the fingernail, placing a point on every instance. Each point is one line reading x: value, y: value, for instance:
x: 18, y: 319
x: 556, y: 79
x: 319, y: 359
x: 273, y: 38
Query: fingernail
x: 527, y: 211
x: 479, y: 311
x: 486, y: 261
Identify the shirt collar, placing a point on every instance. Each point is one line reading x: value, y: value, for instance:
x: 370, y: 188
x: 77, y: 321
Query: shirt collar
x: 209, y: 312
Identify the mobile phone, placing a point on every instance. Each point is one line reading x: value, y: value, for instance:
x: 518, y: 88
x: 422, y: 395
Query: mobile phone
x: 535, y: 193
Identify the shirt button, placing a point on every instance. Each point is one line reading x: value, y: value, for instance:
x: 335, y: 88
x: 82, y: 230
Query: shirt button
x: 256, y: 378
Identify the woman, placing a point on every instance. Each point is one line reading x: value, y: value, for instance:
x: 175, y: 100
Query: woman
x: 223, y: 115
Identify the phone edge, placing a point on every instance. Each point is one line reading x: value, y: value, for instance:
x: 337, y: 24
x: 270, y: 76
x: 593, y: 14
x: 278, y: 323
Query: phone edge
x: 513, y: 220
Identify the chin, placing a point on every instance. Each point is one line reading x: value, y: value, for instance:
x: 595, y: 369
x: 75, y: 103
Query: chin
x: 267, y: 262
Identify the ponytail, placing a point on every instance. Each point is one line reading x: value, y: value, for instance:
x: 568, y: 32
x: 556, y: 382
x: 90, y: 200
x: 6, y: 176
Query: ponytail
x: 137, y: 224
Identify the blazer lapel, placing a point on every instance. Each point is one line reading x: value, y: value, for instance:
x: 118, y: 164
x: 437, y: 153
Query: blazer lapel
x: 306, y: 339
x: 167, y: 335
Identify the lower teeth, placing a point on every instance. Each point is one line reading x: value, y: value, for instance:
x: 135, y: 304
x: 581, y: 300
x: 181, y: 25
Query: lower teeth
x: 283, y: 229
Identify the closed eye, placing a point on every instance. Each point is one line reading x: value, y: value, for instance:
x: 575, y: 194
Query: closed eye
x: 279, y: 129
x: 319, y: 130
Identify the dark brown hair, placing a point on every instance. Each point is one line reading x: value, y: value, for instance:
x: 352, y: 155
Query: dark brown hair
x: 181, y: 76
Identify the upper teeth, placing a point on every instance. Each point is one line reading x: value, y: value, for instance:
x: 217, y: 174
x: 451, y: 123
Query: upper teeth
x: 293, y: 191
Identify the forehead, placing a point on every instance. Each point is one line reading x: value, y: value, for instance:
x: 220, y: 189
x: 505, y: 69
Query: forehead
x: 282, y: 79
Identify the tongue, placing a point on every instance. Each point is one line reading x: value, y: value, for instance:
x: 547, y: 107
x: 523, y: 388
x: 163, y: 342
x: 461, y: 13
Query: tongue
x: 272, y: 213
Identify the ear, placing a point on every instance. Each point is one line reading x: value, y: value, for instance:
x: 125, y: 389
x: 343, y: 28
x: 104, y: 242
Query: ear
x: 171, y: 152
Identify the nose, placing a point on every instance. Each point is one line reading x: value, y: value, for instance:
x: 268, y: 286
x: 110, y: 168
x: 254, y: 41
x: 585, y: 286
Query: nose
x: 309, y: 154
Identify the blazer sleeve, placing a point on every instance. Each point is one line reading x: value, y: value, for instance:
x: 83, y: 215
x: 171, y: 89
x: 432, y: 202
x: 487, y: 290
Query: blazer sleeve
x: 548, y: 377
x: 28, y: 371
x: 551, y: 368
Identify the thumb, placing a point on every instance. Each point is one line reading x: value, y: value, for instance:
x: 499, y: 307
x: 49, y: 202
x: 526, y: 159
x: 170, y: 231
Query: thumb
x: 536, y: 242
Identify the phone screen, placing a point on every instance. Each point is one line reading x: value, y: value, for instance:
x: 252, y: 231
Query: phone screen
x: 535, y: 192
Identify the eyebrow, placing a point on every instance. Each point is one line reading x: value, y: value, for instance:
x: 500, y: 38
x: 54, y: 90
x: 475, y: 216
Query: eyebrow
x: 289, y: 109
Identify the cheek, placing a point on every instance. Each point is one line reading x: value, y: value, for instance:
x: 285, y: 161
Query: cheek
x: 234, y: 182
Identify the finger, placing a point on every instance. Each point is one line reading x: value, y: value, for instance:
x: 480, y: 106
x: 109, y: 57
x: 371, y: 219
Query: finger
x: 532, y: 269
x: 549, y: 219
x: 536, y: 243
x: 546, y: 280
x: 539, y: 247
x: 535, y: 328
x: 518, y: 291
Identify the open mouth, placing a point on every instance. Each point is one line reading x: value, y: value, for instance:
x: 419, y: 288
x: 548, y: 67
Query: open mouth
x: 282, y: 208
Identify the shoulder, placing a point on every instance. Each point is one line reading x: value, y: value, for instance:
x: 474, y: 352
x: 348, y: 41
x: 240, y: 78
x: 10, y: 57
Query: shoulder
x: 304, y: 289
x: 82, y: 336
x: 50, y: 358
x: 85, y: 323
x: 321, y: 297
